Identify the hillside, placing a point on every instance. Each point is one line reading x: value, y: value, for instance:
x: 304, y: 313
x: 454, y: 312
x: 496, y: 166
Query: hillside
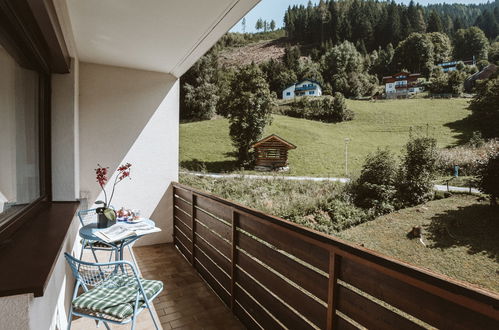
x: 460, y: 234
x: 206, y: 144
x: 256, y: 52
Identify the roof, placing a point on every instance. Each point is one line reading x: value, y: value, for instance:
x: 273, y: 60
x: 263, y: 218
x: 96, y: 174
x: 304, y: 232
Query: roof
x: 273, y: 136
x: 402, y: 73
x: 311, y: 80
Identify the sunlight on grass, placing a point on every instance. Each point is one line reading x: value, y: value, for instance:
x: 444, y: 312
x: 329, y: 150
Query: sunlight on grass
x: 321, y: 146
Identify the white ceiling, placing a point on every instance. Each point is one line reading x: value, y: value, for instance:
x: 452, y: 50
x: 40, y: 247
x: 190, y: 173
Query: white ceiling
x: 156, y: 35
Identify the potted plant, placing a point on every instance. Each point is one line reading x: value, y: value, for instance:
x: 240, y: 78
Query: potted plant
x: 106, y: 214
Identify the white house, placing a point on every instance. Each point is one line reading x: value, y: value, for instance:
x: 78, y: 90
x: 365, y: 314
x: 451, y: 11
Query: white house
x: 82, y: 83
x: 402, y: 84
x: 303, y: 88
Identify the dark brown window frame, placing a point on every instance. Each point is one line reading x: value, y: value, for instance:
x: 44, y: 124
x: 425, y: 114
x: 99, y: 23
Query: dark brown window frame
x: 30, y: 32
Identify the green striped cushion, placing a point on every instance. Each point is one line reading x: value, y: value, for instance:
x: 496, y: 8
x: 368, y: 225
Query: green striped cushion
x: 116, y: 297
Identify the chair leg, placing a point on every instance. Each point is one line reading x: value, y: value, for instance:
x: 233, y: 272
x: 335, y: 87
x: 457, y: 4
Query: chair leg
x: 134, y: 318
x: 93, y: 252
x: 133, y: 256
x: 70, y: 317
x: 152, y: 315
x: 82, y: 248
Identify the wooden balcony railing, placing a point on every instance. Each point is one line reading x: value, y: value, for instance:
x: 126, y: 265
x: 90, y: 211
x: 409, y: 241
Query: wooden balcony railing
x: 275, y: 274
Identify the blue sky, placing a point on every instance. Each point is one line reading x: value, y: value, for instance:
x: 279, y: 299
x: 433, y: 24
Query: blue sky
x: 274, y: 9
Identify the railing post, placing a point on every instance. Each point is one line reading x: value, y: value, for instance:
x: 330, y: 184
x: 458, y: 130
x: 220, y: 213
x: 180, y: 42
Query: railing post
x: 235, y: 220
x: 334, y: 268
x: 193, y: 218
x: 173, y: 214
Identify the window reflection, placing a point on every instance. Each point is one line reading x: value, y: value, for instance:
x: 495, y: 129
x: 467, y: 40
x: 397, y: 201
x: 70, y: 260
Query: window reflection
x: 19, y: 136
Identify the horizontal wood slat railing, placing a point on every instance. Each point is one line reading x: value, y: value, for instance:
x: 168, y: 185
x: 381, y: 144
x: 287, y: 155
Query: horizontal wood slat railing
x: 275, y: 274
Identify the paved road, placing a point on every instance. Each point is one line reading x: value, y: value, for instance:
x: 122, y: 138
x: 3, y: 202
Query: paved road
x: 309, y: 178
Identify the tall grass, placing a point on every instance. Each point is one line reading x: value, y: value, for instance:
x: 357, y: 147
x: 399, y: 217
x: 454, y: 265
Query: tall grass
x: 467, y: 157
x: 323, y: 206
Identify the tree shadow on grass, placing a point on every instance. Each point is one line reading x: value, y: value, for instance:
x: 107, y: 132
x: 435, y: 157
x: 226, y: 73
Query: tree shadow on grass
x: 475, y: 227
x: 464, y: 128
x: 197, y: 165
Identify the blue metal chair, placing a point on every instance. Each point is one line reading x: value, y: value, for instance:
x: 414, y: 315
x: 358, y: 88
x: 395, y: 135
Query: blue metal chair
x: 112, y: 292
x: 87, y: 217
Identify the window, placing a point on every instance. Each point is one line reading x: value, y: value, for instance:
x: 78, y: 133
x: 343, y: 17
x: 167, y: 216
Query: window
x: 19, y: 136
x: 311, y: 93
x: 288, y: 93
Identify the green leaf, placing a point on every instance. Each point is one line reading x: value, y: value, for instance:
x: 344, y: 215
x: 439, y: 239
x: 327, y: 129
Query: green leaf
x: 110, y: 214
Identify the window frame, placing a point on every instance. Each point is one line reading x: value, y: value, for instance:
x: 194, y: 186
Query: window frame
x: 21, y: 37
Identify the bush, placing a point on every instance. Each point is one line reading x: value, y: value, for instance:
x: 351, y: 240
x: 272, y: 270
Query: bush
x: 488, y: 177
x: 485, y: 106
x: 327, y: 108
x: 447, y: 83
x: 333, y: 217
x: 375, y: 188
x: 418, y: 171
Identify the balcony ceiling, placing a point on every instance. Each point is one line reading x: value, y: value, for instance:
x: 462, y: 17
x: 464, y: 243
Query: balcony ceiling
x: 156, y: 35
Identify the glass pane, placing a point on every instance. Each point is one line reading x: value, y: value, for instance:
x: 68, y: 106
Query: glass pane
x: 19, y: 137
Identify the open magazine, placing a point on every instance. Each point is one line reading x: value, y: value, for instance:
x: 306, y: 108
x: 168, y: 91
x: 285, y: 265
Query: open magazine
x: 121, y: 231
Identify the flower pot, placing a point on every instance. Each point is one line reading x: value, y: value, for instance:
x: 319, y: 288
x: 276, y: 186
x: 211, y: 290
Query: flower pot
x: 102, y: 220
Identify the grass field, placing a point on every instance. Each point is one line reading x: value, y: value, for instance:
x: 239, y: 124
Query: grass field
x: 461, y: 235
x: 321, y: 149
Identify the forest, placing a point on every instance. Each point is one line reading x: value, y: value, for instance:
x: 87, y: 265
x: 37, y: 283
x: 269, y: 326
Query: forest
x: 348, y: 46
x: 371, y: 24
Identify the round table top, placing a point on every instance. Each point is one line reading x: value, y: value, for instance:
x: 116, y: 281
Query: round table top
x: 88, y: 231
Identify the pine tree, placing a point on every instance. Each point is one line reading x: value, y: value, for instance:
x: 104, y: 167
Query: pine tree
x: 259, y: 24
x: 272, y: 25
x: 434, y: 23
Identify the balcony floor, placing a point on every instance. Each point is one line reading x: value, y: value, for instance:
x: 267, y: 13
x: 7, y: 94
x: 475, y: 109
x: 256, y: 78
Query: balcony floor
x: 186, y: 301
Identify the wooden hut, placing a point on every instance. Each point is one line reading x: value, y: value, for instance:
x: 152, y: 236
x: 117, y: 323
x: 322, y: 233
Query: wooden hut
x: 272, y: 152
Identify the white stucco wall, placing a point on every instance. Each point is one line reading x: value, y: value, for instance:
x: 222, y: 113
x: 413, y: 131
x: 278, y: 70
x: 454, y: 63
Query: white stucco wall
x: 14, y: 312
x: 65, y: 145
x: 291, y: 90
x: 129, y: 115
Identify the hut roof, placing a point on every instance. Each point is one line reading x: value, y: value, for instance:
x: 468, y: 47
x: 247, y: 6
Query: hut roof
x: 274, y: 137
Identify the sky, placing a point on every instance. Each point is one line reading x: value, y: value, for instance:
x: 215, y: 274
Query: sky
x: 274, y: 10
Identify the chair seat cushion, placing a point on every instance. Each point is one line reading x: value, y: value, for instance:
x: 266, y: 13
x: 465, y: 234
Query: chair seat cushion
x: 116, y: 297
x: 97, y: 244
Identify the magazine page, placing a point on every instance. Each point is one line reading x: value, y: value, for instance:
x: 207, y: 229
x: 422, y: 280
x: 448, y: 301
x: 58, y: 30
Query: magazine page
x: 142, y: 228
x: 115, y: 233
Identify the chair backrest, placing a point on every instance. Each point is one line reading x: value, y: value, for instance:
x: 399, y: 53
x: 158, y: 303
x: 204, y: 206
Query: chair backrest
x: 87, y: 216
x: 94, y: 274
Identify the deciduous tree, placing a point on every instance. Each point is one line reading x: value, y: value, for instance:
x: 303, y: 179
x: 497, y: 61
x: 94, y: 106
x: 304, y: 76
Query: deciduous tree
x: 470, y: 42
x: 249, y: 106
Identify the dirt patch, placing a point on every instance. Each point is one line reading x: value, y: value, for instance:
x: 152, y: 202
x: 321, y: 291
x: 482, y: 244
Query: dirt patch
x: 257, y: 52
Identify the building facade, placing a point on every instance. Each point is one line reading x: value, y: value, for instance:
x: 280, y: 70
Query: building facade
x: 303, y: 88
x: 402, y: 85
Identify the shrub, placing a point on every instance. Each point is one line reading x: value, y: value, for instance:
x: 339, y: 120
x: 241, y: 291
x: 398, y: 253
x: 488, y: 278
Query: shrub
x: 333, y: 217
x: 375, y: 188
x: 327, y: 108
x: 485, y: 106
x: 418, y: 171
x: 488, y: 177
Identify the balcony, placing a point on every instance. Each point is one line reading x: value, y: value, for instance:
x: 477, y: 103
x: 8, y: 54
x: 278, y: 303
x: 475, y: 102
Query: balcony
x: 275, y: 274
